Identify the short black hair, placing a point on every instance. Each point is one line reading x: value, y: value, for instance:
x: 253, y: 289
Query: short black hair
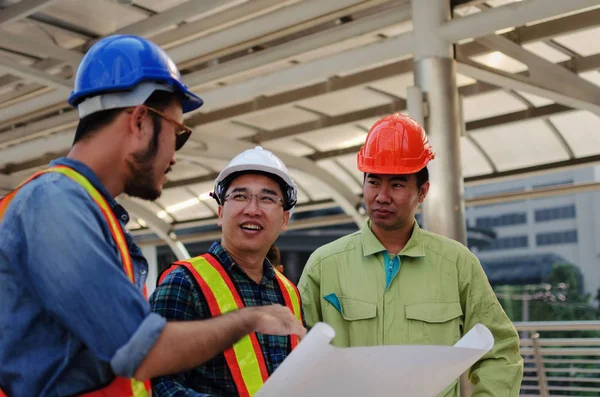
x: 160, y: 100
x: 422, y: 177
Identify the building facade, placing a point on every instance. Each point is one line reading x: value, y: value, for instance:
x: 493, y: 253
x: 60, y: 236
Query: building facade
x: 565, y: 225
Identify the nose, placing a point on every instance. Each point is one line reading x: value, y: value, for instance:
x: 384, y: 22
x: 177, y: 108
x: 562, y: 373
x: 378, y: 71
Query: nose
x: 173, y: 161
x: 383, y: 196
x: 252, y: 208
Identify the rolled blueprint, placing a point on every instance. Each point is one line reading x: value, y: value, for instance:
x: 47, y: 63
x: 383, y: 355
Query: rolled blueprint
x: 318, y: 369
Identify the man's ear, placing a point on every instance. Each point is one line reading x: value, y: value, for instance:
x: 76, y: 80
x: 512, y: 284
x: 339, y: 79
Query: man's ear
x: 423, y: 191
x: 220, y: 216
x: 136, y: 120
x: 286, y: 220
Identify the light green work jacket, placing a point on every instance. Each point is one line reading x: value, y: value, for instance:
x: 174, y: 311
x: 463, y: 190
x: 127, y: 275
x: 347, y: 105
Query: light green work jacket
x: 439, y: 293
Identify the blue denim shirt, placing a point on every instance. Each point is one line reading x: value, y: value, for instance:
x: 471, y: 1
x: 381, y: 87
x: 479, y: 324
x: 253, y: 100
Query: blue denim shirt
x: 70, y: 319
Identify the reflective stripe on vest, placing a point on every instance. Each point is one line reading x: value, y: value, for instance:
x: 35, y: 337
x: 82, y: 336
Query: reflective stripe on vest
x: 291, y: 297
x: 245, y: 359
x: 120, y: 387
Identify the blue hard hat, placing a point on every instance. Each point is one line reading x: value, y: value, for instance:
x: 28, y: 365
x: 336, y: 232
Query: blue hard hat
x: 121, y: 62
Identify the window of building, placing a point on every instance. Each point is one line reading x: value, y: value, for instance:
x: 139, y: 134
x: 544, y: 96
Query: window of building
x: 553, y: 238
x: 550, y: 214
x: 489, y: 222
x: 555, y: 183
x: 508, y: 243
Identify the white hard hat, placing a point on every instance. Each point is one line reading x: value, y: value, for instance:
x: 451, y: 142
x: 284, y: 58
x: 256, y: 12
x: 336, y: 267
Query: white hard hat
x: 262, y: 161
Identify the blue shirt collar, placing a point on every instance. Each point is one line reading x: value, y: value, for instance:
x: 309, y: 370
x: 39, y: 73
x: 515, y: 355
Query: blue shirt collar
x: 88, y: 174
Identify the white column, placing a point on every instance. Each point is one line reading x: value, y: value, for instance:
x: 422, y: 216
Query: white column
x: 435, y: 75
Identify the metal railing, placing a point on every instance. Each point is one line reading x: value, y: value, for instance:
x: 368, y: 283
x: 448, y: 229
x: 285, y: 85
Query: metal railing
x: 561, y: 366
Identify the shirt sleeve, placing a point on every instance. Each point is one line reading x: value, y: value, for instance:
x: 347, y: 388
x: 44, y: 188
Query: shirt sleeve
x: 309, y: 287
x: 72, y: 266
x: 500, y: 371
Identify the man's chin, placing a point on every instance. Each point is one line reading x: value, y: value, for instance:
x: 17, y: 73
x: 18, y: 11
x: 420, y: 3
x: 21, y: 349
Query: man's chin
x: 144, y: 193
x: 387, y: 224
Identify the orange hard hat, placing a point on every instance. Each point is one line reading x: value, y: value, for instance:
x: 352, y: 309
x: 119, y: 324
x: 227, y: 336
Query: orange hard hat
x: 396, y: 144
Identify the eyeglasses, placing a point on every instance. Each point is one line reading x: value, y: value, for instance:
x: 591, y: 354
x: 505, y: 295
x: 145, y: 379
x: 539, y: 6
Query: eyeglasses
x: 182, y: 132
x: 265, y: 200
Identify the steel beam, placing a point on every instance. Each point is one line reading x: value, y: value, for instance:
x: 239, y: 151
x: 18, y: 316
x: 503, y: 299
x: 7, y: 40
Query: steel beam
x: 161, y: 228
x: 39, y: 48
x: 547, y: 75
x: 537, y: 193
x: 524, y: 35
x: 533, y: 170
x: 281, y: 19
x: 193, y: 30
x: 39, y: 128
x: 174, y: 16
x: 518, y: 116
x: 49, y: 98
x: 301, y: 45
x: 550, y: 90
x: 28, y: 73
x: 22, y: 10
x: 514, y: 14
x: 329, y: 121
x: 23, y: 134
x: 20, y: 93
x: 320, y: 69
x: 330, y: 85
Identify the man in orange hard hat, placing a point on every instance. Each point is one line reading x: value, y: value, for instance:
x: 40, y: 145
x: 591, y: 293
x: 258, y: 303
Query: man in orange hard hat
x: 393, y: 283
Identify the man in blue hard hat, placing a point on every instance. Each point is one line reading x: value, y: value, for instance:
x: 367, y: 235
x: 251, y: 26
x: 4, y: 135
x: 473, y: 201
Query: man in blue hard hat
x: 74, y: 319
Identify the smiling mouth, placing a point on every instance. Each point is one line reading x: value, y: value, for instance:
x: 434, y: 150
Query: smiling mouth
x: 251, y: 227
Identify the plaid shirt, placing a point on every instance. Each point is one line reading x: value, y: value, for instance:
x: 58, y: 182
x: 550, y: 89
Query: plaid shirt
x: 179, y: 298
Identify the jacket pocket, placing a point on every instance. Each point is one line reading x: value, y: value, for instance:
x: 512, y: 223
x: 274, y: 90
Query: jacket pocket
x: 353, y: 309
x: 355, y: 325
x: 434, y: 323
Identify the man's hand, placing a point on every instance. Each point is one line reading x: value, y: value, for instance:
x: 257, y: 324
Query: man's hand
x: 186, y: 344
x: 276, y: 320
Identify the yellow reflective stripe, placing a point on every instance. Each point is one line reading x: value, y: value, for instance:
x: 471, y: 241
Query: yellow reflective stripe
x: 248, y: 362
x: 221, y: 291
x: 118, y: 234
x: 138, y: 388
x: 244, y: 350
x: 293, y: 295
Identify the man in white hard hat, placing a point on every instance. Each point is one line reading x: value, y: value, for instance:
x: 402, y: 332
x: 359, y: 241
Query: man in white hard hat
x: 255, y: 194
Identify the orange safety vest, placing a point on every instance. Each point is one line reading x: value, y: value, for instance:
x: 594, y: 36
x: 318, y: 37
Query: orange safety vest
x: 119, y: 387
x: 245, y: 358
